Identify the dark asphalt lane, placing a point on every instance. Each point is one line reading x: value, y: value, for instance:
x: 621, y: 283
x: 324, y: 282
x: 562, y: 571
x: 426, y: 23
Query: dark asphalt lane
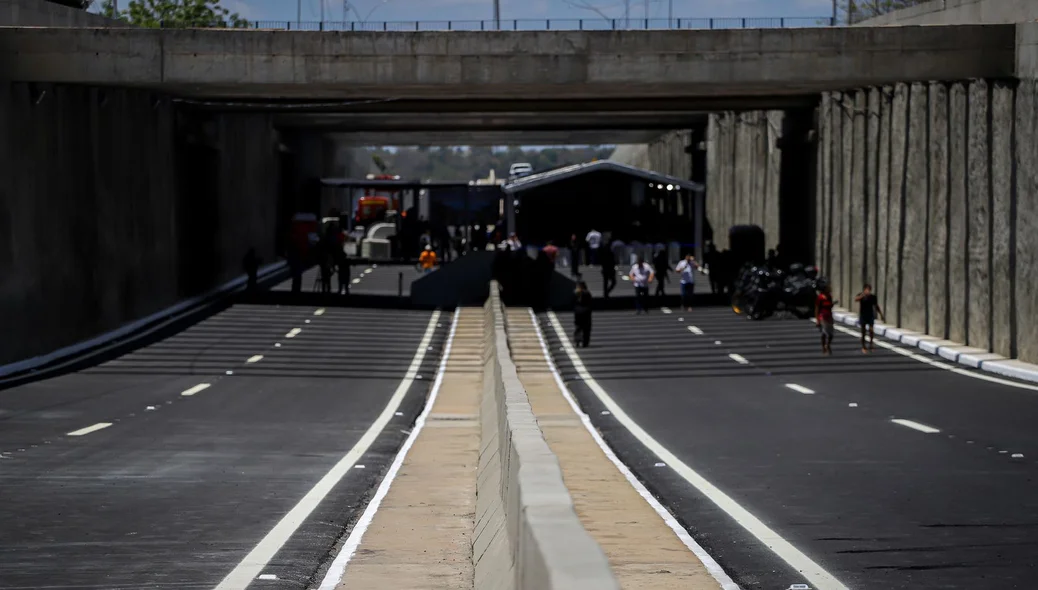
x: 876, y: 504
x: 366, y: 279
x: 177, y: 495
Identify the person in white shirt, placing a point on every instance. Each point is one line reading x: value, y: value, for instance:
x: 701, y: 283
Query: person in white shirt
x: 594, y: 242
x: 687, y: 269
x: 641, y: 275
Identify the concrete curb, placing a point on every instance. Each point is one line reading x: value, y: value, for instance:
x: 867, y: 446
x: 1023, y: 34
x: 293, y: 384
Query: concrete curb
x: 35, y: 367
x: 528, y: 535
x: 969, y: 356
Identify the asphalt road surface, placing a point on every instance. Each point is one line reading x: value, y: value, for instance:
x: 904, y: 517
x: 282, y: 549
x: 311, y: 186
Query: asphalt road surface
x: 366, y: 279
x: 133, y: 474
x: 807, y: 446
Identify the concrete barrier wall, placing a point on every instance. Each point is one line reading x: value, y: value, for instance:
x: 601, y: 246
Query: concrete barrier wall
x: 38, y: 13
x: 528, y: 535
x: 99, y: 225
x: 940, y: 215
x: 958, y: 12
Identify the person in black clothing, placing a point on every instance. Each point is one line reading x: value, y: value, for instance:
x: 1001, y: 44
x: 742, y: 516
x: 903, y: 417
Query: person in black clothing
x: 713, y: 265
x: 582, y: 315
x: 662, y: 263
x: 251, y: 264
x: 574, y: 255
x: 343, y: 264
x: 867, y: 316
x: 608, y: 260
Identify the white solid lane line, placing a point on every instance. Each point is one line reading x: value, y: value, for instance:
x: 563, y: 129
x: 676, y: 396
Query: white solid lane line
x: 695, y: 330
x: 349, y: 548
x: 739, y: 359
x: 319, y: 311
x: 711, y: 565
x: 799, y: 388
x: 195, y: 389
x: 89, y: 429
x: 916, y: 426
x: 293, y: 332
x: 818, y: 576
x: 257, y: 559
x: 255, y: 358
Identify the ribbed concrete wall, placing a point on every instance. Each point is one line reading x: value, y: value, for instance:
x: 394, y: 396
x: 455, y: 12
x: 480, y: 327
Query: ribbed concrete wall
x: 927, y: 192
x: 742, y: 177
x: 99, y: 222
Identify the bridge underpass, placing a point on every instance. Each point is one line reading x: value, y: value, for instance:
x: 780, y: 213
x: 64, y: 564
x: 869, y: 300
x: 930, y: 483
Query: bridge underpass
x: 711, y: 411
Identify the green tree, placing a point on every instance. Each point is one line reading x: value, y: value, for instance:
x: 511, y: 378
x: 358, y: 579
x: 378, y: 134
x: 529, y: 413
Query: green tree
x: 177, y: 14
x: 855, y: 11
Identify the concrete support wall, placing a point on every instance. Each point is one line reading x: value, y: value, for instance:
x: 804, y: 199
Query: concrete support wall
x: 101, y: 217
x: 927, y: 193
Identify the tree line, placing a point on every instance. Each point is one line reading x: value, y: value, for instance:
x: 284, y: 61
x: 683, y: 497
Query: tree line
x: 476, y: 162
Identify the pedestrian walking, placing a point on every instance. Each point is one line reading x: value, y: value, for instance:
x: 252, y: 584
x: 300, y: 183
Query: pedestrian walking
x: 551, y: 251
x: 427, y: 260
x: 869, y: 307
x: 574, y: 255
x: 662, y: 266
x: 642, y: 276
x: 594, y: 243
x: 608, y: 261
x: 582, y: 315
x: 686, y: 269
x: 824, y: 316
x: 251, y: 264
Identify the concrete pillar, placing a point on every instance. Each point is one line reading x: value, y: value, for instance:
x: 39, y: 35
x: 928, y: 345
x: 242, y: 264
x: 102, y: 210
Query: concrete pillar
x: 821, y: 180
x: 883, y: 167
x: 858, y: 197
x: 1026, y: 219
x: 958, y: 253
x: 772, y: 134
x: 795, y: 204
x: 836, y: 211
x: 872, y: 183
x: 937, y: 251
x: 1003, y: 197
x: 914, y: 274
x: 712, y: 179
x: 898, y: 157
x: 979, y: 217
x: 847, y: 230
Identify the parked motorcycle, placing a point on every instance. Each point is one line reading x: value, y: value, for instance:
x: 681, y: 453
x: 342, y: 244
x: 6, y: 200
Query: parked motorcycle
x: 761, y: 291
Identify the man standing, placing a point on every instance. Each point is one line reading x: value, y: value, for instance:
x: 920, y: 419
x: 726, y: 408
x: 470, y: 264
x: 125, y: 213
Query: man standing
x: 687, y: 270
x: 582, y: 316
x: 574, y: 255
x: 867, y: 316
x: 551, y: 251
x: 641, y: 275
x: 608, y: 271
x: 661, y: 263
x: 594, y: 242
x: 427, y: 260
x: 824, y: 315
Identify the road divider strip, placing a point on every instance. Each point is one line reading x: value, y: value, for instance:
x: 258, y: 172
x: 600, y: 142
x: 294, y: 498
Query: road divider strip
x: 521, y: 498
x: 253, y: 564
x: 349, y: 548
x: 819, y: 578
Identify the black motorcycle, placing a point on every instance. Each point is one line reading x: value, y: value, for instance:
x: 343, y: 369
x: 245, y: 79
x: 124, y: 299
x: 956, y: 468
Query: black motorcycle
x: 761, y: 291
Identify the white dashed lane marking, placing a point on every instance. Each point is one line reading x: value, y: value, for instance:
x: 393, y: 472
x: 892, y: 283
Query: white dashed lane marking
x: 89, y: 429
x: 293, y: 332
x: 195, y: 389
x: 255, y: 358
x: 916, y: 426
x: 799, y: 388
x: 695, y: 330
x: 739, y: 359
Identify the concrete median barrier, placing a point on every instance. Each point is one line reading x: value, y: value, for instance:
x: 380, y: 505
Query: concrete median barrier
x: 528, y: 535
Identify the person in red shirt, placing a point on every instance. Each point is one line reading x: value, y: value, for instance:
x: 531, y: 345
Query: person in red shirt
x: 824, y: 315
x: 551, y: 251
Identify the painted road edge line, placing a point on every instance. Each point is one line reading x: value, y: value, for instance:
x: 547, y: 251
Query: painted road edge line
x: 669, y: 519
x: 799, y: 388
x: 89, y: 429
x: 938, y: 363
x: 195, y: 389
x: 739, y: 359
x: 252, y: 565
x: 807, y: 567
x: 915, y: 425
x: 338, y: 567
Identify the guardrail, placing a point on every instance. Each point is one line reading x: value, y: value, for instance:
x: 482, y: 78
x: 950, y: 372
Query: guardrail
x: 553, y: 24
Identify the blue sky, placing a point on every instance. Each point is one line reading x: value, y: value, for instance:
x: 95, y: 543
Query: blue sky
x: 382, y: 10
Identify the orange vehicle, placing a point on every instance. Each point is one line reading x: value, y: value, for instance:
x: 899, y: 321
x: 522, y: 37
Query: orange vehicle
x: 372, y: 207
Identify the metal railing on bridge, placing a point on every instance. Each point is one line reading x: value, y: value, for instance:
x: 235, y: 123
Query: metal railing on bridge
x: 553, y: 24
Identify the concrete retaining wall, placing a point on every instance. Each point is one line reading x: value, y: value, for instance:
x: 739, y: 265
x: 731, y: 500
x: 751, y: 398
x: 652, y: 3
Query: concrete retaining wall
x: 942, y: 218
x: 528, y: 535
x: 958, y: 12
x: 100, y: 222
x: 38, y: 13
